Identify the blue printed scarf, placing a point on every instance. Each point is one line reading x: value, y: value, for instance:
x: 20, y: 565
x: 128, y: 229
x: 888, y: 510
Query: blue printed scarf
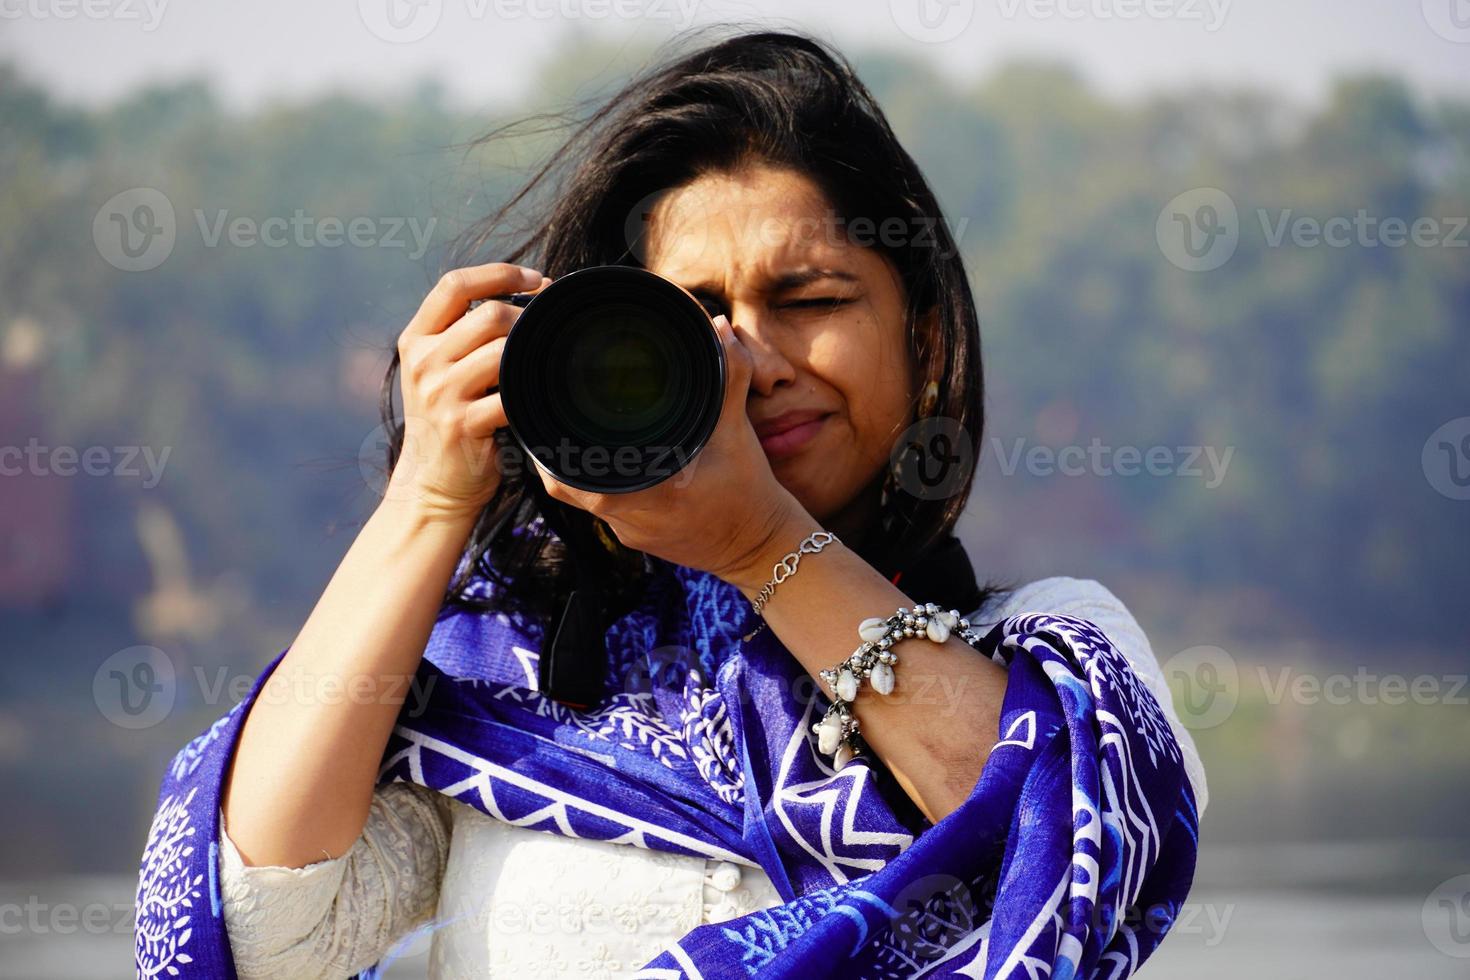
x: 1069, y: 859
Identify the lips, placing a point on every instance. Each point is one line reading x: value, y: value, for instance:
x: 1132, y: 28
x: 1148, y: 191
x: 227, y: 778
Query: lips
x: 788, y: 433
x: 786, y: 421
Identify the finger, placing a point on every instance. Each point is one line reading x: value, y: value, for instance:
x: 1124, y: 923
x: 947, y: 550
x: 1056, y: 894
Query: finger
x: 484, y: 415
x: 475, y: 329
x: 456, y: 289
x: 478, y: 371
x: 481, y: 325
x: 739, y: 366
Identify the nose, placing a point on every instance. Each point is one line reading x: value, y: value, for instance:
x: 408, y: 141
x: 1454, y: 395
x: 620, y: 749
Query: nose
x: 771, y: 365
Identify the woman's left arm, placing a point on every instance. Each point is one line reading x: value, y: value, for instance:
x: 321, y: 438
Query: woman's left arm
x: 935, y: 731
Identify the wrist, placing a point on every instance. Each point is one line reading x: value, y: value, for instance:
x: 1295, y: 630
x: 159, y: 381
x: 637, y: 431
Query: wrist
x: 785, y: 536
x: 426, y: 511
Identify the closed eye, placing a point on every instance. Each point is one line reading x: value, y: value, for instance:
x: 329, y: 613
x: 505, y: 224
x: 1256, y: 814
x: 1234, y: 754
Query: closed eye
x: 816, y: 303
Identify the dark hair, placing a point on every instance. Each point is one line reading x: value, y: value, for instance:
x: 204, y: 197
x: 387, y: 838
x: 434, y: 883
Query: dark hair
x: 780, y: 98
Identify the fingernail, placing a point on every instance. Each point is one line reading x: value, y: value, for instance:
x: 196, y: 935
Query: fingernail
x: 720, y: 318
x: 531, y: 277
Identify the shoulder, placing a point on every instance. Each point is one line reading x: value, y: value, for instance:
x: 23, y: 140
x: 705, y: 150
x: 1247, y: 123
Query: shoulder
x: 1060, y: 594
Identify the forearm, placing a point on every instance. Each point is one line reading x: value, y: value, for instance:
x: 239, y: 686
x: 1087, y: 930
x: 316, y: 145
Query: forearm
x: 306, y: 763
x: 936, y: 729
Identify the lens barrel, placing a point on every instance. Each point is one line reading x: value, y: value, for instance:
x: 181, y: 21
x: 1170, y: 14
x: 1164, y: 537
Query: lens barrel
x: 613, y: 378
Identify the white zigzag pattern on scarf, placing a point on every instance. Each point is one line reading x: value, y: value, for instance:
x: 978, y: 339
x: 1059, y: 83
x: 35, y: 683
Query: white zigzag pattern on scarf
x: 558, y: 801
x: 828, y: 794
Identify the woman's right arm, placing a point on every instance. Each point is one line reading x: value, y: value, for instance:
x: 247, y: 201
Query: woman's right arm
x: 302, y: 777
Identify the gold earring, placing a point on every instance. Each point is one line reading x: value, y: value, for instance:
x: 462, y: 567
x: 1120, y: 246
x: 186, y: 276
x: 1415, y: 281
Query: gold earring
x: 929, y: 399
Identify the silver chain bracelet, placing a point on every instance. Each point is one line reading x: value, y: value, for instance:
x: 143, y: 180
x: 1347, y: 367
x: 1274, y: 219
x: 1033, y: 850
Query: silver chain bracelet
x: 873, y: 661
x: 786, y: 567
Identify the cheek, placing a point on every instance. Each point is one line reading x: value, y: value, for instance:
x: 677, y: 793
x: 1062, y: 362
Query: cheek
x: 869, y: 369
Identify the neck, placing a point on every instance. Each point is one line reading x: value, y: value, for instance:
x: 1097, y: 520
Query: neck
x: 856, y: 521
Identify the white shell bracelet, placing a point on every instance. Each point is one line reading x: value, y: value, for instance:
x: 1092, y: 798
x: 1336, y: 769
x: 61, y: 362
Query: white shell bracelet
x: 873, y: 660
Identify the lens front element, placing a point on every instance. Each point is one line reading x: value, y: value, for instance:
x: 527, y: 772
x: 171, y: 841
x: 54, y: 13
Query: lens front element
x: 613, y: 378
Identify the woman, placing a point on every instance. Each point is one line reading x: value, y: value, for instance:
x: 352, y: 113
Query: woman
x: 759, y: 174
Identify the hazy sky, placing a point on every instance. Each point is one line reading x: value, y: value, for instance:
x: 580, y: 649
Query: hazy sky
x: 485, y: 49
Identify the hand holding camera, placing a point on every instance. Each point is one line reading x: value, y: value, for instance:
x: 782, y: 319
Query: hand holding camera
x: 630, y: 399
x: 450, y: 363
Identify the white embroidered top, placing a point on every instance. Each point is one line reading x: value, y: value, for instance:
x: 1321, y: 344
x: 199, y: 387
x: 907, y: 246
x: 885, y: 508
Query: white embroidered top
x: 512, y: 902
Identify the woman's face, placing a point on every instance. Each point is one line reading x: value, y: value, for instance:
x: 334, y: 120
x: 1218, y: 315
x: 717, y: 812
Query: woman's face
x: 822, y: 318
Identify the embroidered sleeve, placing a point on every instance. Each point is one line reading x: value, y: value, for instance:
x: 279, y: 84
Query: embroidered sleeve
x: 336, y: 917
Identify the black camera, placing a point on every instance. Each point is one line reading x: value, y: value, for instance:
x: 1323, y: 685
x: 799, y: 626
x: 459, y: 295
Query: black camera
x: 613, y: 378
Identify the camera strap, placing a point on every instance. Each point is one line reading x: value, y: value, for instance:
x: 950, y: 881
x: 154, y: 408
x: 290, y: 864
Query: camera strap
x: 572, y: 667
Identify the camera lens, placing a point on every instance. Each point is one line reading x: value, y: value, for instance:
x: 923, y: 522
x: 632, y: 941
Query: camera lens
x: 613, y: 378
x: 621, y: 375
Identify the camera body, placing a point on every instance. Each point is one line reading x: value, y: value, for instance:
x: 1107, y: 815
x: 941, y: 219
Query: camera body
x: 613, y: 377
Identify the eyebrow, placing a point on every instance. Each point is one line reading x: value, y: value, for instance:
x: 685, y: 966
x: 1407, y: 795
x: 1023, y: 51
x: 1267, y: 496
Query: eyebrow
x: 787, y: 281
